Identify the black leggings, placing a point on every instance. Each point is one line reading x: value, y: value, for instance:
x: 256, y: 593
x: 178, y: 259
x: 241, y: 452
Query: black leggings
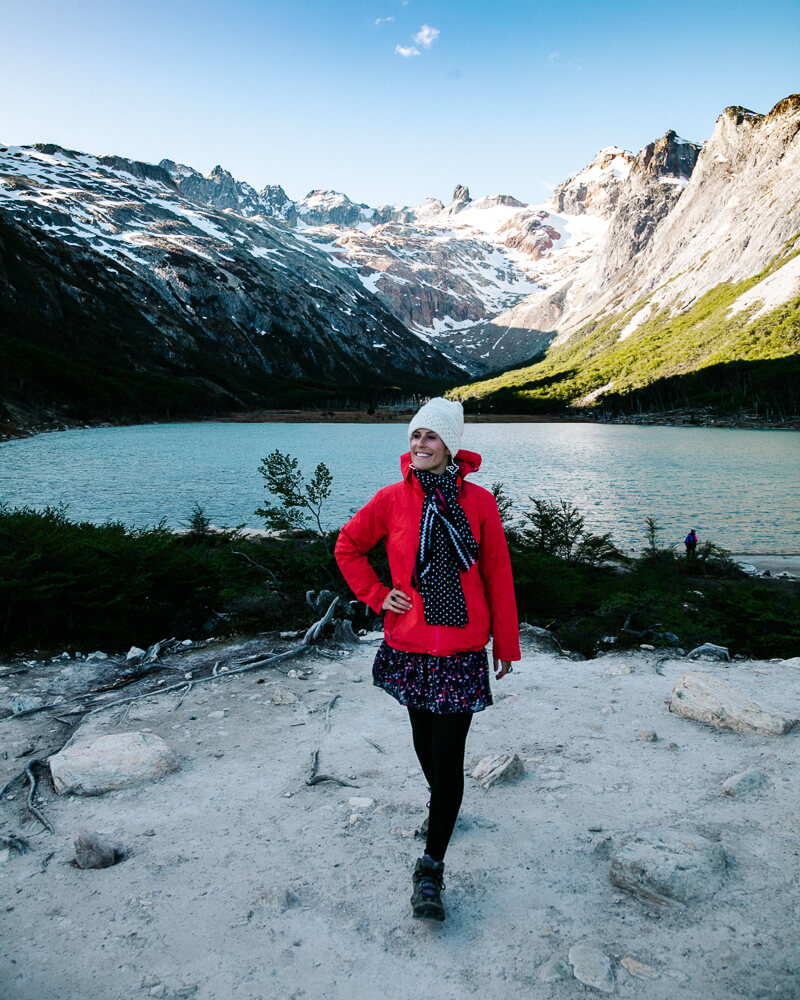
x: 439, y: 742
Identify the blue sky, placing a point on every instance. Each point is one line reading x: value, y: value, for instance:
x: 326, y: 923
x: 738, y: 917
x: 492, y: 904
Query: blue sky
x: 388, y: 101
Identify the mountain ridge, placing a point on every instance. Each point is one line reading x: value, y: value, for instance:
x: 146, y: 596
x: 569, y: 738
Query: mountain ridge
x: 254, y: 296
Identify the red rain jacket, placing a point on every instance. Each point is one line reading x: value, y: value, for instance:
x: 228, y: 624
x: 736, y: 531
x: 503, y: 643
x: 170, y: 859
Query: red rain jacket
x: 393, y: 516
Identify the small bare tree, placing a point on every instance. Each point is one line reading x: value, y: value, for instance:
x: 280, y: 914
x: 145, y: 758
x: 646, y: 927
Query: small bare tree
x: 300, y: 502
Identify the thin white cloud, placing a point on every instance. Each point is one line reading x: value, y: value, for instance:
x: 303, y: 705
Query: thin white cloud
x: 553, y: 57
x: 426, y: 36
x: 406, y: 53
x: 382, y: 20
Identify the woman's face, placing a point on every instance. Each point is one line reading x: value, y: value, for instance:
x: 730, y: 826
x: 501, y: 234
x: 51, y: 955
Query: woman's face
x: 428, y: 452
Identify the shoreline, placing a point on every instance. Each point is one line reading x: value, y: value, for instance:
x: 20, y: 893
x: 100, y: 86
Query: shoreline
x: 688, y: 419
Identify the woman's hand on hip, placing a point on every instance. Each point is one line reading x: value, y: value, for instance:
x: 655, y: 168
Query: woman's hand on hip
x: 501, y: 667
x: 396, y: 601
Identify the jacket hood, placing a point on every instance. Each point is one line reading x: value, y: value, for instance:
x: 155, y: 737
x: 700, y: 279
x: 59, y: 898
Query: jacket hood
x: 467, y: 462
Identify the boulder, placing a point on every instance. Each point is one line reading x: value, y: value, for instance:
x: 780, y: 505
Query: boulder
x: 669, y: 868
x: 592, y: 967
x: 709, y: 651
x: 704, y: 698
x: 745, y: 782
x: 539, y: 639
x: 22, y: 703
x: 93, y: 850
x: 105, y: 763
x: 501, y: 767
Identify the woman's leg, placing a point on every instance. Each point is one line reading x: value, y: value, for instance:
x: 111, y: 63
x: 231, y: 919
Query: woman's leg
x: 439, y: 742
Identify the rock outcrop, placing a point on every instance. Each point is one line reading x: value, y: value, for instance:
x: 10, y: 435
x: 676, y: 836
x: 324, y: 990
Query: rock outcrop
x: 707, y: 699
x: 106, y: 763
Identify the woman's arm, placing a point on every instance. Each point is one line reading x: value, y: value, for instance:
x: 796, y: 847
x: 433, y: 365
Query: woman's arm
x: 361, y: 533
x: 495, y: 566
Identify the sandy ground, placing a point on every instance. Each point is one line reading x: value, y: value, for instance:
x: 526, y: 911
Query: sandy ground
x: 245, y: 883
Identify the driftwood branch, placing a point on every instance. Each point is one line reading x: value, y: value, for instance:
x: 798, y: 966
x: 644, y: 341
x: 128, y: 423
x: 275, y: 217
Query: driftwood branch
x: 315, y: 778
x: 331, y: 703
x: 317, y: 627
x: 269, y: 659
x: 14, y: 843
x: 31, y: 805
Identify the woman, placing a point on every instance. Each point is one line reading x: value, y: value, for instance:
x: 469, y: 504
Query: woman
x: 451, y: 589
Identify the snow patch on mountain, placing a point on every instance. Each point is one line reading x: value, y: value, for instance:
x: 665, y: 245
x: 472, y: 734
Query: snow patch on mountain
x: 777, y: 288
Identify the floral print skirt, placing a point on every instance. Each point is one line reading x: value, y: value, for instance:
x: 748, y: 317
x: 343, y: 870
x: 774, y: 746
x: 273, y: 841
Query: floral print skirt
x: 440, y: 684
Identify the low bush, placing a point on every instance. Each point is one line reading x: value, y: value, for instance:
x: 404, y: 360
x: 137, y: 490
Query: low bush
x: 65, y: 584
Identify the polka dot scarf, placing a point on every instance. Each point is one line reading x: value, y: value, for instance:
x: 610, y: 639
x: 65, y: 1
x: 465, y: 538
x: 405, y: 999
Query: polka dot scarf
x: 446, y: 548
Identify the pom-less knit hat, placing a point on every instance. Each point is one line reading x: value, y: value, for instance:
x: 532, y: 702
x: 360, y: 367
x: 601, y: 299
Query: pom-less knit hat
x: 446, y: 417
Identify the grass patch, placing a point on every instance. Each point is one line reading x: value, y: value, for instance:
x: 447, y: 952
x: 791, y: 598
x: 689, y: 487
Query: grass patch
x: 665, y: 347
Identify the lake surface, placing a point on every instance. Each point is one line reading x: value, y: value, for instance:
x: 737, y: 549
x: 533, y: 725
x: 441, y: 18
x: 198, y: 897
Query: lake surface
x: 738, y: 488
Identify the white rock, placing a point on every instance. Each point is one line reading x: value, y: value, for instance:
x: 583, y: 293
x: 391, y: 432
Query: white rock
x: 591, y: 967
x: 96, y: 656
x: 25, y: 703
x: 118, y: 760
x: 709, y: 651
x: 703, y: 698
x: 794, y: 661
x: 283, y: 696
x: 638, y: 969
x: 360, y: 802
x: 540, y: 639
x: 501, y: 767
x: 554, y: 970
x: 220, y: 713
x: 135, y: 655
x: 669, y: 867
x: 618, y: 668
x: 745, y: 782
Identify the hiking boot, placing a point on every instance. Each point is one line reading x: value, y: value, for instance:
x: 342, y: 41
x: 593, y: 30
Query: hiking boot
x: 428, y: 880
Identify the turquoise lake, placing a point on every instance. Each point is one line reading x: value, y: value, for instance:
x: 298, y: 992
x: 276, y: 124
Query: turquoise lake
x: 738, y: 488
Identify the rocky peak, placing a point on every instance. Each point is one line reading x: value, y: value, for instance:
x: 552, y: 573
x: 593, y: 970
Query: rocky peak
x: 669, y: 156
x: 322, y: 208
x: 461, y: 193
x: 492, y: 201
x: 595, y: 189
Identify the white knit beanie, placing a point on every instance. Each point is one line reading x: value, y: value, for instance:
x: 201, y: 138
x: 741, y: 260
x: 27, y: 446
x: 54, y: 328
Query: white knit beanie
x: 446, y: 417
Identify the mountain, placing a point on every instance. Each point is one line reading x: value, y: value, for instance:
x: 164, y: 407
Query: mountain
x: 120, y: 298
x: 661, y: 278
x: 693, y: 294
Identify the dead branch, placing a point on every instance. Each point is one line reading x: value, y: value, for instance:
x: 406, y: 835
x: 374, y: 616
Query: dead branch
x: 317, y: 627
x: 269, y: 661
x: 331, y: 703
x: 258, y: 565
x: 157, y: 648
x: 316, y: 779
x: 31, y: 806
x: 377, y: 746
x: 180, y: 700
x: 14, y: 843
